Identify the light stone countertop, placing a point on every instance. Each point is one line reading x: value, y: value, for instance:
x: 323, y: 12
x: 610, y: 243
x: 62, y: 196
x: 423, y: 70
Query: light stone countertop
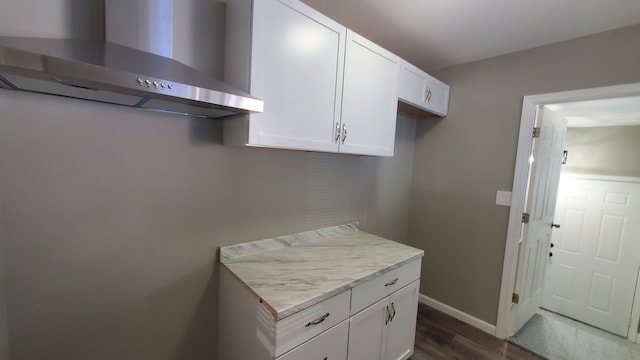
x: 290, y: 273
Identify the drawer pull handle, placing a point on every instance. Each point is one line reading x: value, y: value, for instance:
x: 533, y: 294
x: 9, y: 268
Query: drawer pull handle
x: 392, y: 282
x: 325, y: 358
x: 318, y: 320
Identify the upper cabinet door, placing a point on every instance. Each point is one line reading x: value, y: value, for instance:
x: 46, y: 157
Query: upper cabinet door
x: 297, y: 71
x: 369, y: 99
x: 422, y: 90
x: 296, y: 68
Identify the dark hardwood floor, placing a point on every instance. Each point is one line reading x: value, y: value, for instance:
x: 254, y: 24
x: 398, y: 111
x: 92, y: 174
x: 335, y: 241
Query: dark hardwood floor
x: 442, y: 337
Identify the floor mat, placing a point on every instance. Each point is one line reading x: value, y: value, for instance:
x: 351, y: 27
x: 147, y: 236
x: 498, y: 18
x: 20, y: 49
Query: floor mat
x: 559, y: 338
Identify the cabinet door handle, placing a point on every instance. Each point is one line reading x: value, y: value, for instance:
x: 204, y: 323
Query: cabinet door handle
x: 344, y: 132
x: 388, y: 317
x: 393, y: 307
x: 428, y: 95
x: 392, y: 282
x: 318, y: 320
x: 337, y: 132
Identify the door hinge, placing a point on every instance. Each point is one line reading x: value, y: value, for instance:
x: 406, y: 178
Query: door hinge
x: 525, y: 218
x: 515, y: 298
x: 536, y: 132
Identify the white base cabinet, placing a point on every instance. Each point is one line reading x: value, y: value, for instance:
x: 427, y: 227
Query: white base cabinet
x: 421, y: 90
x: 401, y: 331
x: 375, y: 320
x: 386, y: 329
x: 368, y: 332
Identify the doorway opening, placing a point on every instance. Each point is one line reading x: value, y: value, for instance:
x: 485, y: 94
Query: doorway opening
x: 509, y: 320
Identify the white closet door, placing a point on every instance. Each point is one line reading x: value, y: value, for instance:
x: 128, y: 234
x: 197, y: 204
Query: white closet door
x: 541, y: 200
x: 596, y: 252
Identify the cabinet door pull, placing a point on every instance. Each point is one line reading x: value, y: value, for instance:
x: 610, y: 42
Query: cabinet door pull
x: 325, y: 358
x: 392, y: 282
x: 393, y: 307
x: 344, y: 132
x: 388, y: 317
x: 337, y: 132
x: 318, y: 320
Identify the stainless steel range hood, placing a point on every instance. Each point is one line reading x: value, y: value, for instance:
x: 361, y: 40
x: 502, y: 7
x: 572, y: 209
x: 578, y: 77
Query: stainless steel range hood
x: 106, y: 72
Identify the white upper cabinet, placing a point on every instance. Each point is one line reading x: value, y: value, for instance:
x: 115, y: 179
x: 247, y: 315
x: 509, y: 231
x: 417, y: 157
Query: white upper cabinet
x: 295, y: 64
x: 294, y: 58
x: 370, y: 98
x: 419, y: 89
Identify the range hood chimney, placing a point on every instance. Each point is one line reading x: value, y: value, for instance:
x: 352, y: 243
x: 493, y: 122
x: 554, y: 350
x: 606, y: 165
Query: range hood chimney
x: 132, y: 68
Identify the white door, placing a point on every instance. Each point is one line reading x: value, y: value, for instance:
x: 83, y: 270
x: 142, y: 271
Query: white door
x: 401, y: 333
x: 596, y: 254
x: 368, y: 332
x: 541, y: 198
x: 369, y: 98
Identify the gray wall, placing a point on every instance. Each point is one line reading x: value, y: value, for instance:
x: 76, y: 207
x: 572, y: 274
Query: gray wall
x: 604, y: 151
x: 462, y: 160
x: 4, y: 329
x: 113, y: 216
x: 53, y: 18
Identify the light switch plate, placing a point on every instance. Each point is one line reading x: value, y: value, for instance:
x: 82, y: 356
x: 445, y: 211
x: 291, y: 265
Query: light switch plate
x: 503, y: 198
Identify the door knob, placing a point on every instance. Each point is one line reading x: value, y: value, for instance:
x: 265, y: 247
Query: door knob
x: 557, y: 226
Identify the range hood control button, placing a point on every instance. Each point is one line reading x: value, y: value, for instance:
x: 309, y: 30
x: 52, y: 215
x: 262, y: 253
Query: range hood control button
x: 155, y: 83
x: 140, y: 82
x: 170, y: 86
x: 162, y: 85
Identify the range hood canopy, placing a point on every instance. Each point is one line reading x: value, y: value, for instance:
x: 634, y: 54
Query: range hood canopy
x: 111, y: 73
x: 134, y: 67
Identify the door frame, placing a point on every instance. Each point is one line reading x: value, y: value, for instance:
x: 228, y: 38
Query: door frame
x: 520, y: 180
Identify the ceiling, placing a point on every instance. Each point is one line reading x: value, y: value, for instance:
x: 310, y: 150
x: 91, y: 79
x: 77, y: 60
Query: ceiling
x: 438, y: 33
x: 604, y: 112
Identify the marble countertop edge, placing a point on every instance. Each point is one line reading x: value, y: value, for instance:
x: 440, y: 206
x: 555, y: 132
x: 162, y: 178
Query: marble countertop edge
x: 279, y: 315
x: 290, y: 273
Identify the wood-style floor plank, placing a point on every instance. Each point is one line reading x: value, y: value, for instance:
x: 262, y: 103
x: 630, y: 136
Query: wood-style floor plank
x: 442, y: 337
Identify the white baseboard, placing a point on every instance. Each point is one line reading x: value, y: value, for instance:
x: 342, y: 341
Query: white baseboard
x: 462, y: 316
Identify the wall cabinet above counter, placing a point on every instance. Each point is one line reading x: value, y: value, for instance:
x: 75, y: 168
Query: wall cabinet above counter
x: 325, y: 87
x: 423, y: 91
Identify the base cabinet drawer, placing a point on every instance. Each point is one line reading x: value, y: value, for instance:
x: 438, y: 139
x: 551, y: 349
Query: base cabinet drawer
x: 382, y: 286
x: 330, y: 345
x: 296, y: 329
